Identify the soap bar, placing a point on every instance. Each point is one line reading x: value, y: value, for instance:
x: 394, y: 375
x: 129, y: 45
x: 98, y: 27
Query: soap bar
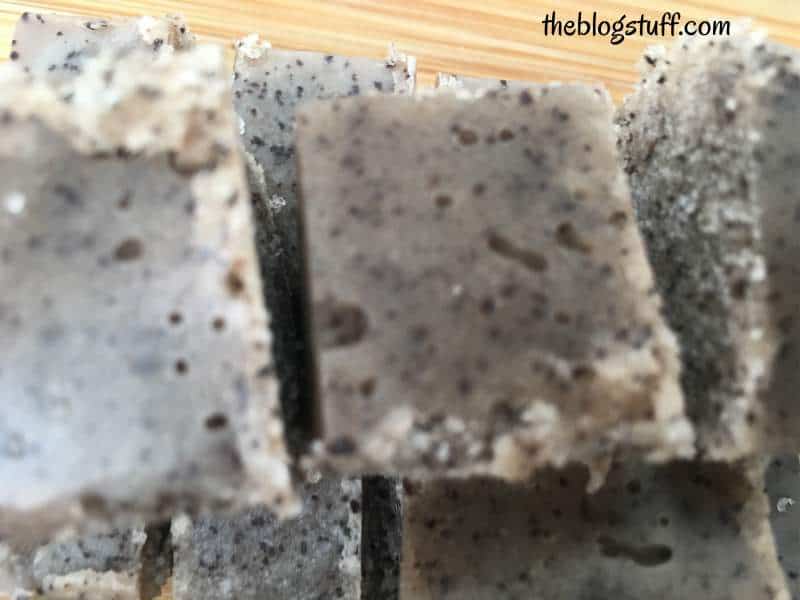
x: 136, y: 361
x: 99, y: 567
x: 710, y: 140
x: 480, y: 297
x: 381, y: 537
x: 681, y: 531
x: 95, y: 567
x: 269, y: 85
x: 254, y: 556
x: 57, y: 46
x: 783, y: 487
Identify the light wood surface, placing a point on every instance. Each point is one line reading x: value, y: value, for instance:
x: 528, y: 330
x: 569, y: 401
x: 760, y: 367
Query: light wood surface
x: 492, y: 38
x: 497, y: 38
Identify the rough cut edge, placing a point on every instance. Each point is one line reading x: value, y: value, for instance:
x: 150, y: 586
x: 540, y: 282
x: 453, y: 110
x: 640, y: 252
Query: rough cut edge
x: 448, y: 80
x: 404, y: 70
x: 167, y: 28
x: 104, y: 116
x: 102, y: 112
x: 164, y: 35
x: 252, y: 48
x: 756, y: 339
x: 92, y: 585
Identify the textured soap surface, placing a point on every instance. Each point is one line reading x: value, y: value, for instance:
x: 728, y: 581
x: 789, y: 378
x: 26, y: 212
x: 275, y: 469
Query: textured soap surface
x: 253, y: 556
x: 782, y: 482
x: 269, y: 85
x: 137, y: 345
x: 481, y: 300
x: 57, y: 46
x: 680, y: 531
x: 95, y: 567
x: 710, y: 141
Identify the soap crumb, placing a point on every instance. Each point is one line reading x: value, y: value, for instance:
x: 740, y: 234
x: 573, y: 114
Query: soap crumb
x: 784, y: 503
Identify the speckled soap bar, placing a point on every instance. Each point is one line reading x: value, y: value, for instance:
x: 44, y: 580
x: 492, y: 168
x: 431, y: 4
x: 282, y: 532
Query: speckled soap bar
x: 480, y: 297
x: 269, y: 85
x: 57, y: 46
x: 711, y: 143
x: 381, y: 537
x: 96, y: 567
x: 253, y: 556
x: 681, y: 531
x: 136, y: 361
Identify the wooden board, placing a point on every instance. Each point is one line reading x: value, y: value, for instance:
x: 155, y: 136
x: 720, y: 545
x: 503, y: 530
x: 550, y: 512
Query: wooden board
x: 497, y: 38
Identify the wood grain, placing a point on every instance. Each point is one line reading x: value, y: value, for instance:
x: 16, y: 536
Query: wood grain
x: 500, y: 38
x: 492, y: 38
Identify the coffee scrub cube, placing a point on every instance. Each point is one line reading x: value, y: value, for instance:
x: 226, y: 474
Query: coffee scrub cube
x: 682, y: 531
x: 480, y: 297
x: 136, y: 366
x: 256, y: 556
x: 269, y: 86
x: 710, y: 141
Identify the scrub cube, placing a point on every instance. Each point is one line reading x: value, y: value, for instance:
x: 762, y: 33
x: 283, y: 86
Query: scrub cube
x: 269, y: 85
x: 683, y: 531
x: 136, y: 366
x: 255, y: 556
x: 95, y: 567
x: 480, y: 299
x: 710, y: 141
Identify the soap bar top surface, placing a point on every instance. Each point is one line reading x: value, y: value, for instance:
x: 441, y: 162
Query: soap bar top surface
x: 253, y: 555
x: 136, y: 366
x: 710, y: 143
x: 480, y: 296
x: 57, y: 46
x: 682, y: 530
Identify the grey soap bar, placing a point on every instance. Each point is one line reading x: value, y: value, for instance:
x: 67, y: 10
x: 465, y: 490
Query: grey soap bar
x: 481, y: 301
x: 783, y: 486
x: 381, y: 537
x: 254, y: 556
x: 99, y: 567
x: 681, y: 531
x: 269, y: 85
x: 136, y: 361
x: 57, y: 46
x: 95, y: 567
x: 710, y: 141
